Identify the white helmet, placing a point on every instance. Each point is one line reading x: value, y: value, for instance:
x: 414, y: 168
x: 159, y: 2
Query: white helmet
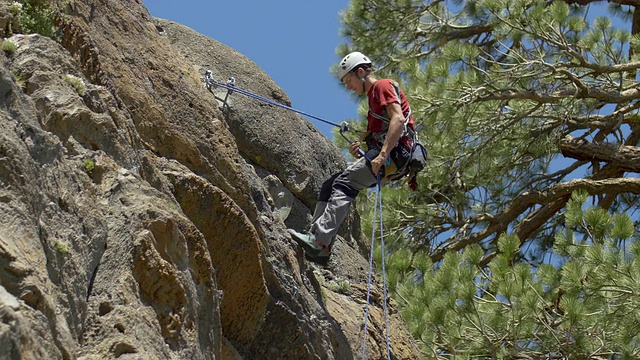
x: 350, y: 62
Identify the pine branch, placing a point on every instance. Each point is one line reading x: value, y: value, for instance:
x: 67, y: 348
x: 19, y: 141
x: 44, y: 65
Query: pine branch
x: 520, y: 204
x: 623, y: 157
x: 619, y: 2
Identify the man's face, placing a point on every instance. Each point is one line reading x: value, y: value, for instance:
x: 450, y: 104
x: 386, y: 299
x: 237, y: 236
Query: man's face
x: 351, y: 82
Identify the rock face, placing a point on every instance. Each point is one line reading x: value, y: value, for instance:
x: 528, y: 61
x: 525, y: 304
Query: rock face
x: 138, y: 220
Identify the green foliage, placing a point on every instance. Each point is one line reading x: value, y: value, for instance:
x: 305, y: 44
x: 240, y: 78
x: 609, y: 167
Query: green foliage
x: 582, y: 307
x: 341, y: 286
x: 77, y: 83
x: 9, y: 47
x: 89, y: 165
x: 35, y: 16
x: 623, y: 227
x: 61, y: 247
x: 19, y: 79
x: 523, y: 102
x: 15, y: 8
x: 494, y: 84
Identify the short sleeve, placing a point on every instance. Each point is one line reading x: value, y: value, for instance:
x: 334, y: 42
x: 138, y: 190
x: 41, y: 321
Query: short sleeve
x: 386, y: 94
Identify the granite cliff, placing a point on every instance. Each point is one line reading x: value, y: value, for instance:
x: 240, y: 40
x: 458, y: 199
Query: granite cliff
x: 140, y: 220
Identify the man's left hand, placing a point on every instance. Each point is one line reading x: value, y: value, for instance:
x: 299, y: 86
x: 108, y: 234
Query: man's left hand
x: 377, y: 164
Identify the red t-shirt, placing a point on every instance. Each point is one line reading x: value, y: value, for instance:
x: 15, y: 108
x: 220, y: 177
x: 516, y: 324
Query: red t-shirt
x: 381, y: 94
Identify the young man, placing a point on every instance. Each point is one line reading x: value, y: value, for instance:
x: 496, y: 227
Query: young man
x: 388, y: 120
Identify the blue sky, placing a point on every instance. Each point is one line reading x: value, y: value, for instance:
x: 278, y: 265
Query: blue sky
x: 294, y: 42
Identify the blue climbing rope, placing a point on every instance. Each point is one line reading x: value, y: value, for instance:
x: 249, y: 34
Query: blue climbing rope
x: 231, y: 88
x: 384, y: 274
x: 366, y: 309
x: 376, y: 213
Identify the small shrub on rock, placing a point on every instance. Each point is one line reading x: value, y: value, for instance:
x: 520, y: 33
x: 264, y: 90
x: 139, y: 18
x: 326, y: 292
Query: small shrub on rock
x: 77, y: 83
x: 8, y: 47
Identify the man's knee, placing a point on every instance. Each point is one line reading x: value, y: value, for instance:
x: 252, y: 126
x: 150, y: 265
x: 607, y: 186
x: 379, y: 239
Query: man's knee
x: 346, y: 189
x: 327, y: 187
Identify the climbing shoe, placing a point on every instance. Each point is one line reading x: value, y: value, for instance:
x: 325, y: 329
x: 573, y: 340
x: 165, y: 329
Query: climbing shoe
x: 307, y: 241
x: 322, y: 258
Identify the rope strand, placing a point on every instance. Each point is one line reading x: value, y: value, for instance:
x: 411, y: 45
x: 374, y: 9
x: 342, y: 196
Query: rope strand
x: 384, y: 277
x: 232, y: 88
x: 376, y: 213
x: 373, y: 243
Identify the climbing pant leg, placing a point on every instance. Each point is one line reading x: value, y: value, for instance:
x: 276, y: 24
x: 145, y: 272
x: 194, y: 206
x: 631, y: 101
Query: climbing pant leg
x: 324, y: 196
x: 344, y: 189
x: 320, y: 206
x: 327, y: 187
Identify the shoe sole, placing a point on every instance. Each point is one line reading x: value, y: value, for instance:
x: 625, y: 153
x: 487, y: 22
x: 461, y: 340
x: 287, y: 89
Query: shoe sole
x: 307, y: 248
x: 320, y: 260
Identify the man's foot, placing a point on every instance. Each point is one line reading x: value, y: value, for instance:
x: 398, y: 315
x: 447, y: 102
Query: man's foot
x: 308, y: 243
x: 322, y: 258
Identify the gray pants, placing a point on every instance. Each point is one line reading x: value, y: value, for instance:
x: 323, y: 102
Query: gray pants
x: 336, y: 196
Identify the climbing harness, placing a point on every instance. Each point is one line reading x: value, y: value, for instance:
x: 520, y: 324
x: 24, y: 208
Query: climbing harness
x: 376, y: 213
x: 409, y: 155
x: 230, y: 86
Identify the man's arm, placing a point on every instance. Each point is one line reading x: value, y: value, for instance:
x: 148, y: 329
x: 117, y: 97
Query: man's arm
x: 396, y: 127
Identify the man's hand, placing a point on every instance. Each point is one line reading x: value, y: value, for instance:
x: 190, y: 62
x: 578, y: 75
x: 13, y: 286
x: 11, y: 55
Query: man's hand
x: 378, y: 163
x: 354, y: 149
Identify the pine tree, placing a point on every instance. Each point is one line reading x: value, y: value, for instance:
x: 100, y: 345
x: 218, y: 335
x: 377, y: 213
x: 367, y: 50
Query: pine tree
x: 524, y: 104
x: 584, y: 307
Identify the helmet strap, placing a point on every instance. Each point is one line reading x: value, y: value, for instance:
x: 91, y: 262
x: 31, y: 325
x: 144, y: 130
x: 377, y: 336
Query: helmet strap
x: 364, y: 78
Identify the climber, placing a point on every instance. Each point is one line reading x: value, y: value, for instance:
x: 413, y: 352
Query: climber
x: 389, y: 143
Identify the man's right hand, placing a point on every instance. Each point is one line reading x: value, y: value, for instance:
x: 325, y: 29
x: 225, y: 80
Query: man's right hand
x: 354, y: 149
